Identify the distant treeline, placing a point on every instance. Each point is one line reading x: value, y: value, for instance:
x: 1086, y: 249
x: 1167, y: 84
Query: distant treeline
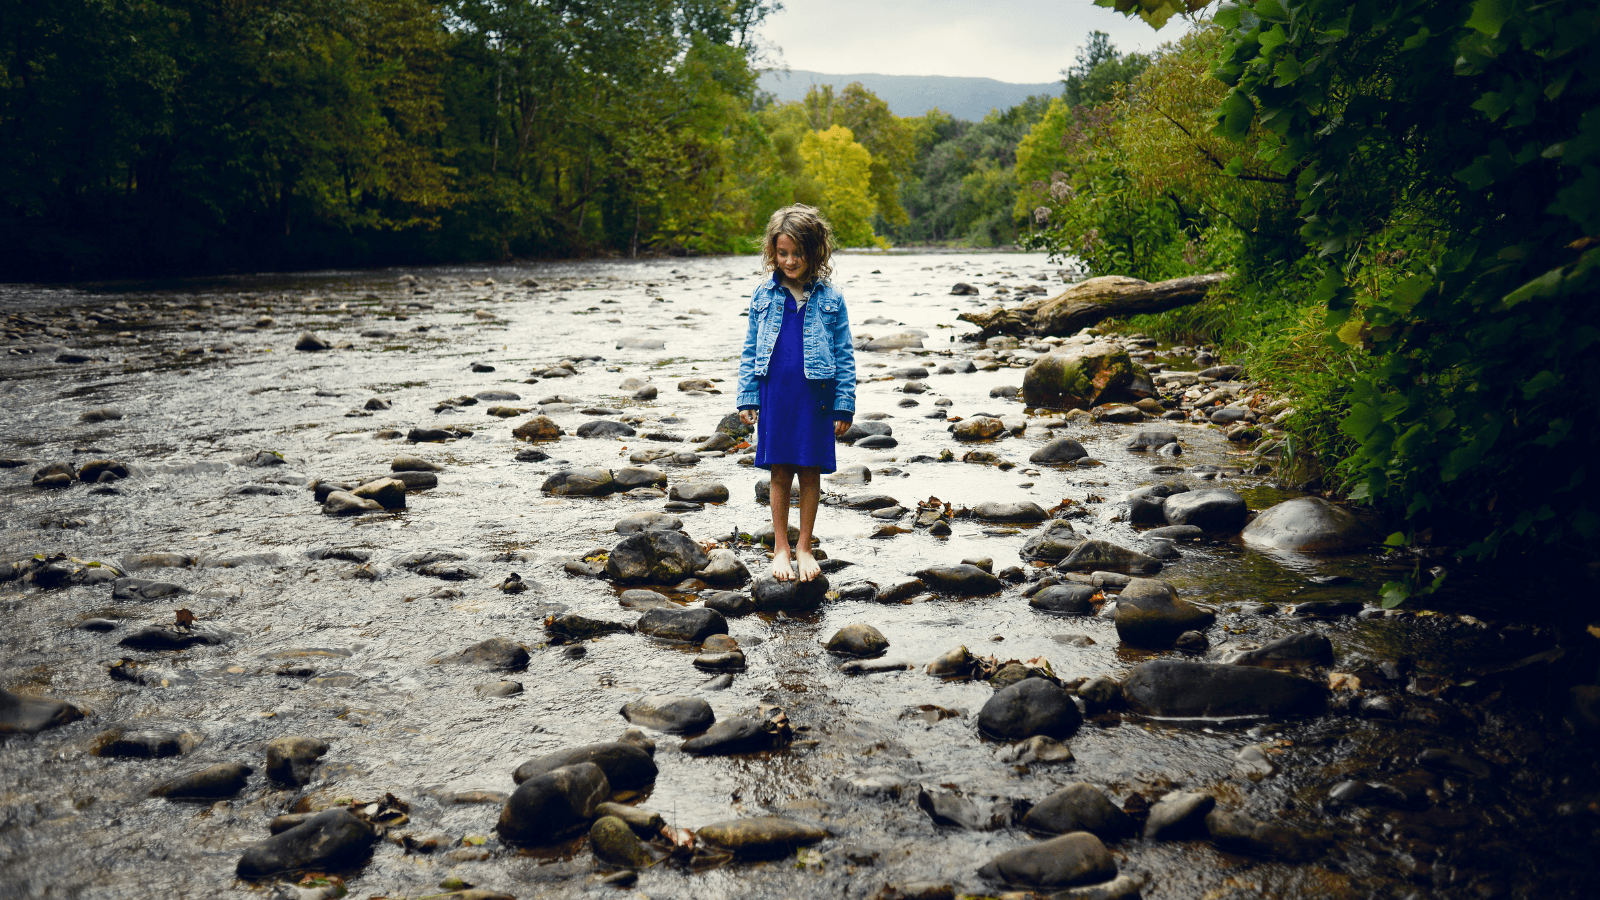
x: 171, y: 136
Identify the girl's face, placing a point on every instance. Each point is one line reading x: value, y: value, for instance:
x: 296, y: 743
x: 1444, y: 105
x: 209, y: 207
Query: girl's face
x: 787, y: 256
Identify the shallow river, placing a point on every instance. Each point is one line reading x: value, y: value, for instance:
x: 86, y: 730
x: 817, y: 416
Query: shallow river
x: 206, y: 373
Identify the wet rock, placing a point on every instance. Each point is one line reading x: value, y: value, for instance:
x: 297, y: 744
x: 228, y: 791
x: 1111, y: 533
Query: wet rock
x: 99, y: 624
x: 1029, y: 707
x: 1099, y: 694
x: 861, y: 429
x: 761, y: 836
x: 877, y: 442
x: 1025, y: 511
x: 902, y: 341
x: 499, y: 653
x: 1307, y: 525
x: 1183, y: 689
x: 740, y: 734
x: 1103, y: 556
x: 614, y: 843
x: 1174, y: 532
x: 55, y: 475
x: 1149, y: 440
x: 771, y: 595
x: 102, y: 471
x: 416, y: 481
x: 691, y: 625
x: 961, y: 288
x: 635, y: 477
x: 1065, y: 599
x: 329, y: 841
x: 1071, y: 859
x: 538, y: 428
x: 310, y: 342
x: 104, y: 414
x: 571, y: 627
x: 549, y: 807
x: 724, y: 568
x: 674, y: 715
x: 642, y: 599
x: 729, y: 603
x: 141, y: 744
x: 1191, y: 642
x: 292, y: 759
x: 1296, y: 652
x: 1453, y: 763
x: 978, y: 428
x: 1327, y: 609
x: 1060, y: 450
x: 661, y: 557
x: 344, y: 503
x: 1039, y: 749
x: 390, y: 493
x: 957, y: 663
x: 961, y: 580
x: 430, y: 435
x: 648, y: 521
x: 627, y: 766
x: 699, y: 493
x: 1079, y: 378
x: 971, y: 813
x: 605, y: 428
x: 1238, y: 833
x: 858, y: 640
x: 213, y: 783
x: 1178, y: 815
x: 157, y: 637
x: 1218, y: 509
x: 1055, y: 542
x: 1080, y: 807
x: 721, y: 661
x: 640, y: 820
x: 145, y: 589
x: 498, y: 690
x: 1150, y: 614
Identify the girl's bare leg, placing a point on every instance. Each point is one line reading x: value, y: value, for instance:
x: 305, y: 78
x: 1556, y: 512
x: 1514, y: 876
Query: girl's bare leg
x: 778, y: 498
x: 810, y: 496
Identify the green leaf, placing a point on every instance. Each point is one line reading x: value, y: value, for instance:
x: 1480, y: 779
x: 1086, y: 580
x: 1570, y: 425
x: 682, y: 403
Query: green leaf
x: 1274, y: 38
x: 1394, y: 593
x: 1539, y: 383
x: 1234, y: 168
x: 1398, y: 539
x: 1493, y: 105
x: 1408, y: 292
x: 1489, y: 16
x: 1362, y: 491
x: 1272, y: 11
x: 1287, y: 70
x: 1546, y: 285
x: 1227, y: 16
x: 1234, y: 116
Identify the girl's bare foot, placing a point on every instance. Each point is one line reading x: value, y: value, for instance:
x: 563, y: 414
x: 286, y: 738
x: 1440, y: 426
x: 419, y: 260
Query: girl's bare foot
x: 780, y: 565
x: 808, y: 566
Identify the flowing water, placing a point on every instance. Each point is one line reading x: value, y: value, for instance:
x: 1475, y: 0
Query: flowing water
x: 203, y: 379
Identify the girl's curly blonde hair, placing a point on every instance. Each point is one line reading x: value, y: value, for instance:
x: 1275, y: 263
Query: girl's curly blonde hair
x: 811, y: 233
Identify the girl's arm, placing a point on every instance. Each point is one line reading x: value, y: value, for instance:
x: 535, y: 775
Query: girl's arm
x: 844, y: 366
x: 749, y: 393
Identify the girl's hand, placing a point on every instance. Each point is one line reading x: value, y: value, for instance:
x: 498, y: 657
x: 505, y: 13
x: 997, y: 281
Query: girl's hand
x: 749, y: 416
x: 839, y: 428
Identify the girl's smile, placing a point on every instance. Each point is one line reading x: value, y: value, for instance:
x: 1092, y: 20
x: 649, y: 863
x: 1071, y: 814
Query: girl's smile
x: 788, y: 258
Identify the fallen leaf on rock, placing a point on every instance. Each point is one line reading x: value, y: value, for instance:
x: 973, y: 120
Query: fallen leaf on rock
x: 186, y: 618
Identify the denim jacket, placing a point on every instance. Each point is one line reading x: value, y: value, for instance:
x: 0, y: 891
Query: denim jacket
x: 829, y: 353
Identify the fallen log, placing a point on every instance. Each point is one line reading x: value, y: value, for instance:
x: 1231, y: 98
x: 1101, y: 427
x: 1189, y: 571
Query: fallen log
x: 1090, y: 302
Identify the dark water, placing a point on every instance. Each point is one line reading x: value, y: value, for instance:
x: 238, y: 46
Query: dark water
x: 200, y: 384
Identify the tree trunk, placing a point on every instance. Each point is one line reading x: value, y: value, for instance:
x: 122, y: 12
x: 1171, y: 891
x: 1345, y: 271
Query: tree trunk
x: 1089, y: 302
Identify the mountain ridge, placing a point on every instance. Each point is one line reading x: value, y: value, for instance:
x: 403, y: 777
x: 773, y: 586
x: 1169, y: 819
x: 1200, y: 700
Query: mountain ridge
x: 912, y: 95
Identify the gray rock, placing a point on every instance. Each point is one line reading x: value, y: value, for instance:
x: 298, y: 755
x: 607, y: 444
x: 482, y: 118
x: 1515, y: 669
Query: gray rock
x: 579, y: 483
x: 1149, y: 440
x: 691, y: 625
x: 1218, y: 509
x: 1296, y: 652
x: 292, y: 759
x: 1103, y: 556
x: 858, y: 640
x: 961, y: 580
x: 1071, y: 859
x: 309, y: 341
x: 157, y: 637
x: 740, y: 734
x: 1100, y: 693
x: 1029, y: 707
x: 761, y: 836
x: 1238, y: 833
x: 699, y: 493
x: 213, y: 783
x: 674, y: 715
x: 605, y: 428
x: 771, y: 595
x: 877, y: 442
x: 1025, y: 511
x: 1174, y: 688
x: 331, y: 840
x: 1307, y: 525
x: 660, y: 557
x: 1060, y: 450
x: 417, y: 481
x: 729, y: 603
x: 627, y: 766
x: 141, y: 744
x: 638, y: 477
x: 861, y: 429
x: 1150, y: 615
x: 614, y: 843
x: 1080, y: 807
x: 389, y: 493
x: 1065, y: 599
x: 498, y: 689
x: 499, y: 653
x: 978, y: 428
x: 639, y: 598
x: 648, y: 521
x: 971, y: 813
x: 345, y: 503
x: 549, y: 807
x: 1178, y: 815
x: 145, y: 589
x: 1173, y: 532
x: 1054, y: 543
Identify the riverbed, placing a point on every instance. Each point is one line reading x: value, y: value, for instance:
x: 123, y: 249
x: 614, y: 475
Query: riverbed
x: 202, y: 377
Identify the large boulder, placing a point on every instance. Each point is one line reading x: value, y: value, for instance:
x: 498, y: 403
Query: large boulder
x: 327, y: 842
x: 771, y: 595
x: 1307, y: 525
x: 1079, y: 378
x: 962, y: 580
x: 1029, y: 707
x: 1071, y: 859
x: 27, y: 715
x: 627, y: 766
x: 1080, y: 807
x: 675, y: 623
x: 580, y: 483
x: 1103, y: 556
x: 1175, y: 688
x: 660, y: 557
x: 1218, y: 509
x: 1151, y: 615
x: 549, y: 807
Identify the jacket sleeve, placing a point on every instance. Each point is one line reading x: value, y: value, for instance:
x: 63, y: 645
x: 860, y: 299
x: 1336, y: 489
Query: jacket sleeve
x: 749, y: 392
x: 844, y: 366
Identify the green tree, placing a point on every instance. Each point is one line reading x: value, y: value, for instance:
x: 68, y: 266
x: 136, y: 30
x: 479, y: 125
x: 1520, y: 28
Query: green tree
x: 842, y: 170
x: 1099, y: 70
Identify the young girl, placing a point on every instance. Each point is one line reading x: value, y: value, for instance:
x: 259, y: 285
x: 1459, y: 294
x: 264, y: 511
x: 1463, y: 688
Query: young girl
x: 797, y: 374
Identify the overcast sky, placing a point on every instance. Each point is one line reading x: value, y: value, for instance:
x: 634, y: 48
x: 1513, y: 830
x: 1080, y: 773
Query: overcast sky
x: 1023, y: 41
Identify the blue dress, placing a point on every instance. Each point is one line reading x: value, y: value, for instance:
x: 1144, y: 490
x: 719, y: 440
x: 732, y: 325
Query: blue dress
x: 796, y: 424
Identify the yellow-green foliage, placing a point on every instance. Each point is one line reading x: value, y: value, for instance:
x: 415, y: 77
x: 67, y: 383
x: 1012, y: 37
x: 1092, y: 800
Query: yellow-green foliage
x: 842, y: 171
